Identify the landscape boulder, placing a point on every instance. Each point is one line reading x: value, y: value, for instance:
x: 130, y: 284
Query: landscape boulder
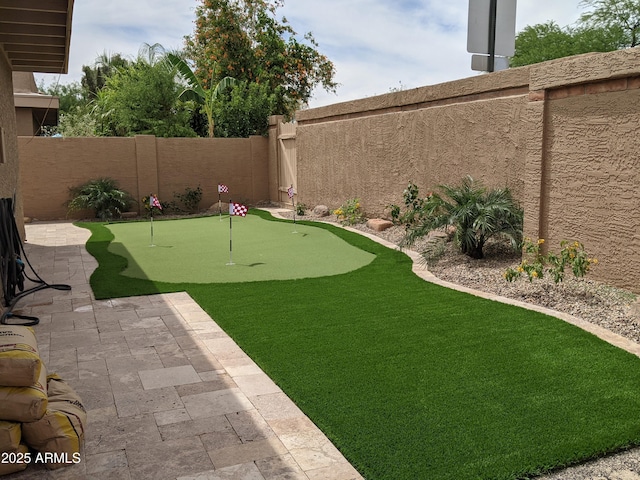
x: 378, y: 224
x: 321, y: 210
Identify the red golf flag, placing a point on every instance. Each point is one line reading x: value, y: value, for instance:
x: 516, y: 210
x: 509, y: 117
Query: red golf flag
x: 223, y: 188
x: 237, y: 209
x: 290, y: 191
x: 154, y: 202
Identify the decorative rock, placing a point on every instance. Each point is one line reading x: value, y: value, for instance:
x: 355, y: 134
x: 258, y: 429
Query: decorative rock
x: 321, y: 210
x: 379, y: 224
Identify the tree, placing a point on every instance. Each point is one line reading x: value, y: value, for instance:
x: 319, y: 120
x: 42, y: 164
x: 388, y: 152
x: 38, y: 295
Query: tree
x: 547, y: 41
x: 143, y: 99
x: 610, y: 25
x: 621, y: 15
x: 205, y: 97
x: 244, y: 40
x: 94, y: 78
x: 244, y: 111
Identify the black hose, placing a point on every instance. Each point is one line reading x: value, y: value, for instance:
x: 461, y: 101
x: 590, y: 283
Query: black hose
x: 13, y: 263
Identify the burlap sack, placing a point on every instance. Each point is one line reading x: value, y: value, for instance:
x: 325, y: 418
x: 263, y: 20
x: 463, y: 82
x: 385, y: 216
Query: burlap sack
x: 20, y: 362
x: 25, y: 404
x: 10, y: 434
x: 61, y: 429
x: 15, y: 461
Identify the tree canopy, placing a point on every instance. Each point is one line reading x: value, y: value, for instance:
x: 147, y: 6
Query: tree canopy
x: 243, y: 39
x: 548, y: 41
x: 143, y: 99
x: 609, y: 25
x: 622, y: 15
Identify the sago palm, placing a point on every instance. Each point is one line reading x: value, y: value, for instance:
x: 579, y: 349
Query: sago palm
x: 101, y: 195
x: 477, y: 214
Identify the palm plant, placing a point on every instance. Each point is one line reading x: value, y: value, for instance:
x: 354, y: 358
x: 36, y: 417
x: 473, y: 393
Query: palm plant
x: 477, y: 214
x: 196, y: 91
x: 101, y: 195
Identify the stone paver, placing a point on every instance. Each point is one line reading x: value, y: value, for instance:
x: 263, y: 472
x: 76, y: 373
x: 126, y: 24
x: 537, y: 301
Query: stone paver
x: 168, y: 394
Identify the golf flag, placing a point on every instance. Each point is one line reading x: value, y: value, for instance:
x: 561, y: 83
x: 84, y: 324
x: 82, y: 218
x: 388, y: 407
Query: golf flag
x: 154, y: 202
x: 222, y: 188
x: 290, y: 192
x: 237, y: 209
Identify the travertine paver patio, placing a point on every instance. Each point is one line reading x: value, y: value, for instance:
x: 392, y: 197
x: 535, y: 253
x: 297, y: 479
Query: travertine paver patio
x: 169, y: 395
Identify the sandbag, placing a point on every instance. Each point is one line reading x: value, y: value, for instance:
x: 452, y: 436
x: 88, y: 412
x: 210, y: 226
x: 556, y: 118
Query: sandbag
x: 10, y: 434
x: 25, y: 404
x: 20, y: 362
x: 61, y: 430
x: 14, y: 461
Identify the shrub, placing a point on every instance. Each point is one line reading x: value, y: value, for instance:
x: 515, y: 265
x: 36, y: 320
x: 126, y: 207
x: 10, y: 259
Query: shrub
x: 190, y: 199
x: 349, y: 213
x: 301, y: 209
x: 413, y: 205
x: 571, y: 254
x: 476, y: 213
x: 101, y: 195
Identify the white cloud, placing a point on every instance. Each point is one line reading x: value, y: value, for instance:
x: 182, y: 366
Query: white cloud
x: 375, y: 45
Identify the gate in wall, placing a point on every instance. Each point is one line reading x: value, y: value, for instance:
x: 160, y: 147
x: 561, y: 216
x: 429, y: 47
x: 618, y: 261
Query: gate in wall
x: 286, y: 161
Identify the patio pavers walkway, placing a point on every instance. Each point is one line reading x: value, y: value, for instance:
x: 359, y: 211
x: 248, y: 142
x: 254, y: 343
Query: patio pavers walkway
x: 169, y: 395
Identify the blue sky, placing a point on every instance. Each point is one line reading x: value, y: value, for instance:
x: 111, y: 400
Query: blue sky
x: 376, y: 45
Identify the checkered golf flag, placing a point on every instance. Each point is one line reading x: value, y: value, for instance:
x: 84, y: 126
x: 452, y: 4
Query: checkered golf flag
x: 154, y: 202
x: 237, y: 209
x: 223, y: 188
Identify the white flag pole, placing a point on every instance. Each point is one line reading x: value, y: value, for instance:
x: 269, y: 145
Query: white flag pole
x: 151, y: 210
x: 230, y: 233
x: 293, y: 202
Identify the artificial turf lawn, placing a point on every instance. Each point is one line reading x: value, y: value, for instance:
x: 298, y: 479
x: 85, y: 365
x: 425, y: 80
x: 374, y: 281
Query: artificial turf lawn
x: 414, y: 381
x: 197, y: 250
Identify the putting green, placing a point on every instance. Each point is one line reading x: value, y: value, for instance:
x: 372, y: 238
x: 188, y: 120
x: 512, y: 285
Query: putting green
x: 197, y: 250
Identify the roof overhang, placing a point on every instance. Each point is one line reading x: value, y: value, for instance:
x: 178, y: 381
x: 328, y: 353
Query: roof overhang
x: 35, y: 35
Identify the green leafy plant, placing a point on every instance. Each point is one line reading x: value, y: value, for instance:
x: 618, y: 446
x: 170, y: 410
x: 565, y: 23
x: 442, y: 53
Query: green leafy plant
x: 101, y: 195
x: 476, y: 213
x: 190, y: 199
x: 413, y: 206
x: 572, y: 254
x: 349, y: 213
x: 301, y: 209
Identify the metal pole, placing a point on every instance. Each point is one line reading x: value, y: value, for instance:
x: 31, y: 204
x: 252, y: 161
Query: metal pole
x: 230, y: 236
x: 493, y: 9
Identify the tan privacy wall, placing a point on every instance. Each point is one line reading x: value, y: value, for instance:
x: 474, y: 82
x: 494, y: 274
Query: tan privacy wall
x: 563, y: 135
x: 142, y: 165
x: 9, y: 164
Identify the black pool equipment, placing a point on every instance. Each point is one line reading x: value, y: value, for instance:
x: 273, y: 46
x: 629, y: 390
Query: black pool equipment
x: 13, y: 268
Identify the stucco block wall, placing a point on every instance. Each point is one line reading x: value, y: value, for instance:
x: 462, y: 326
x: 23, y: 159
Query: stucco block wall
x: 563, y: 135
x: 141, y: 165
x: 373, y: 158
x: 9, y: 168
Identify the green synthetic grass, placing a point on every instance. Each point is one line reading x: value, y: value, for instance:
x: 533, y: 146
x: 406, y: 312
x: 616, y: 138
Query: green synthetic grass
x: 414, y: 381
x: 198, y: 250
